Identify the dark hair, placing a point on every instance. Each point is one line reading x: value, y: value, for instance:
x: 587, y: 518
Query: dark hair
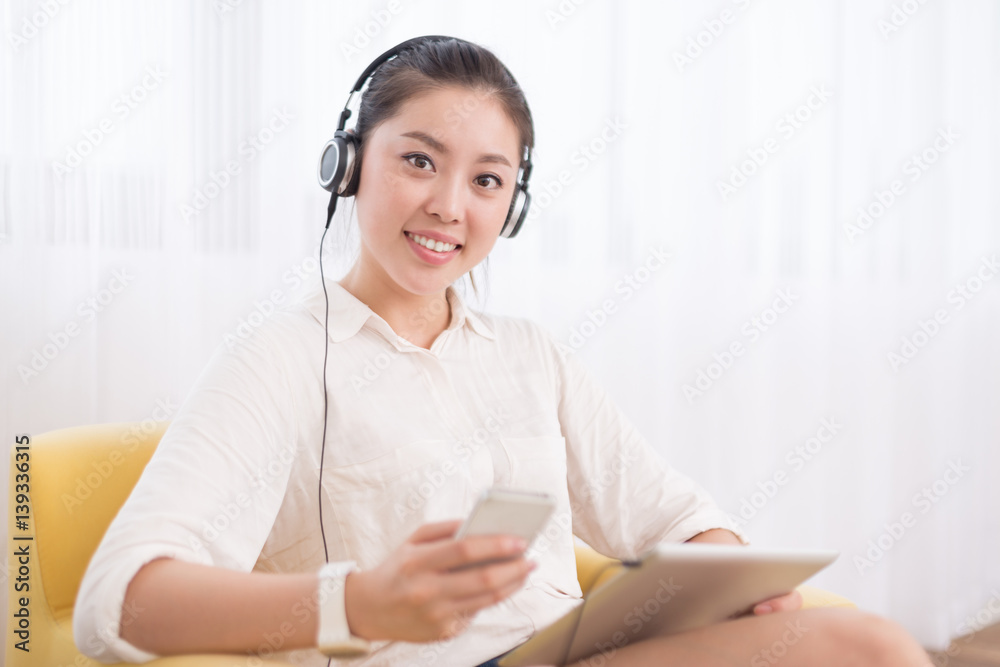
x: 434, y: 64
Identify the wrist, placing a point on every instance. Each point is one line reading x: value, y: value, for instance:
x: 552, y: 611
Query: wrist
x: 355, y: 609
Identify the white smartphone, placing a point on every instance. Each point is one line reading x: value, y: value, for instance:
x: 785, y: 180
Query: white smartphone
x: 509, y: 512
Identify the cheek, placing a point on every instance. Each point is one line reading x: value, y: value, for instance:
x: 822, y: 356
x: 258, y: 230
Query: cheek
x: 384, y: 200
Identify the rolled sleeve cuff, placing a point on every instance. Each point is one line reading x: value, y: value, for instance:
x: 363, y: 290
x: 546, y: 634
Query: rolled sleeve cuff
x: 98, y: 614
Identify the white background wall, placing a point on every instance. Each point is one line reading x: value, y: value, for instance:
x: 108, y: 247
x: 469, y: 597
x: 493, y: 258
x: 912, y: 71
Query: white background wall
x: 641, y: 111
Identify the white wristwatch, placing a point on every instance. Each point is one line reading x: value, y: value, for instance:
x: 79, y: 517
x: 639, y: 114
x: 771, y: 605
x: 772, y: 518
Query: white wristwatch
x: 334, y: 637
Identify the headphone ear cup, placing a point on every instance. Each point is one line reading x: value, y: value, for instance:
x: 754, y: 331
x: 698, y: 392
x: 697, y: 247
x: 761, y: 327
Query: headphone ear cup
x: 336, y: 164
x: 517, y: 214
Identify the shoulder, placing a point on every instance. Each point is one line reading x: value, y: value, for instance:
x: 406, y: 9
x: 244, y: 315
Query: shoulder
x: 271, y: 334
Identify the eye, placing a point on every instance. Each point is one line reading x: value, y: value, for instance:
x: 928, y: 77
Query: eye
x: 419, y: 160
x: 484, y: 180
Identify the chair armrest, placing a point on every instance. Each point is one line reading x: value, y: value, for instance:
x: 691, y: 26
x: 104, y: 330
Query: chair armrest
x: 817, y: 597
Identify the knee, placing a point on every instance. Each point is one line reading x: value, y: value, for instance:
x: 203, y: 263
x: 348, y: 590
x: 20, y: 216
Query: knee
x: 876, y: 642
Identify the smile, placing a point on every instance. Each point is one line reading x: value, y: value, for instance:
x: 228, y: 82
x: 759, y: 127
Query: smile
x: 431, y: 244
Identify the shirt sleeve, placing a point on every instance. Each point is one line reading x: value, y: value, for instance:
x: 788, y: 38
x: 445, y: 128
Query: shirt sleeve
x: 624, y: 497
x: 209, y: 495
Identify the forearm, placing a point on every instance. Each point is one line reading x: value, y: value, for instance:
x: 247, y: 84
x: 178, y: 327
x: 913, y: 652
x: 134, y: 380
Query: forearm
x: 716, y: 536
x: 180, y: 607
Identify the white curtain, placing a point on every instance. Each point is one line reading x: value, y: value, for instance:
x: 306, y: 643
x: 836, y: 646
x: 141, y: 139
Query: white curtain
x: 832, y: 379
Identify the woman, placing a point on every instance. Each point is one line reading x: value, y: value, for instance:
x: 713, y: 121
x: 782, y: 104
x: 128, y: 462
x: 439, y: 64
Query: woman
x: 219, y: 546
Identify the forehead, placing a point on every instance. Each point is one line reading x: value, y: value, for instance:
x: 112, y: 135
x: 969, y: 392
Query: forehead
x: 460, y: 118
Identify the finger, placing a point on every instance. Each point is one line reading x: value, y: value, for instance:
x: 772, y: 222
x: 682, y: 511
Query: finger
x: 476, y: 602
x: 789, y: 602
x: 474, y: 549
x: 485, y: 579
x: 431, y: 532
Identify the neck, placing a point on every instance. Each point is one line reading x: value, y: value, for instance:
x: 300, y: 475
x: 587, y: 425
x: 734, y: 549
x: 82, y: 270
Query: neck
x: 419, y: 318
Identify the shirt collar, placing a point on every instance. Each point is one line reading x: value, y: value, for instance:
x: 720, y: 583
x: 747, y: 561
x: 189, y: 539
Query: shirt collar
x: 348, y: 314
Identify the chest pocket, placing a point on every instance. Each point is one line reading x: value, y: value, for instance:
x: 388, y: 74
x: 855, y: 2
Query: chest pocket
x: 377, y: 504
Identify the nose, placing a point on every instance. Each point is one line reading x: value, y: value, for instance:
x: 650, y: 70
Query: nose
x: 447, y: 198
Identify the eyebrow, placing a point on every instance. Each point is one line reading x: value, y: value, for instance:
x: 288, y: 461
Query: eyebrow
x: 441, y: 148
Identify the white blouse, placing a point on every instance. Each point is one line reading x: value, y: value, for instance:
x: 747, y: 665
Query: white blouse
x: 413, y: 436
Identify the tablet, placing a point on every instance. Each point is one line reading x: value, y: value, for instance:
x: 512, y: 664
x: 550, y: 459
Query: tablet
x: 675, y: 587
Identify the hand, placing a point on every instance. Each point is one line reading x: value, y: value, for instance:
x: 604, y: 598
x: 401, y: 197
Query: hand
x: 788, y: 602
x: 415, y: 594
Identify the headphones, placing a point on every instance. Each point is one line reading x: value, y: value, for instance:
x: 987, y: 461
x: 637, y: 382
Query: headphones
x: 339, y: 167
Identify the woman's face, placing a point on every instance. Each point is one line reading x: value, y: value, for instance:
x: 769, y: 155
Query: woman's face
x: 440, y: 172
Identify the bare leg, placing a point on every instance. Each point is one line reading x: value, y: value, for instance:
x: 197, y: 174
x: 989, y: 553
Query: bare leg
x: 807, y: 638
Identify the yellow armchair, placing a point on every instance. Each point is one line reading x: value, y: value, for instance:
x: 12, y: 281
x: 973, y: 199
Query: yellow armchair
x: 77, y: 479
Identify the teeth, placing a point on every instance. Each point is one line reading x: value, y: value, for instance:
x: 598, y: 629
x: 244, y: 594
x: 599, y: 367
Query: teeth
x: 431, y: 244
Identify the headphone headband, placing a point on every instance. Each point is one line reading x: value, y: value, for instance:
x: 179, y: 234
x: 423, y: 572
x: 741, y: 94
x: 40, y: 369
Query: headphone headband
x: 378, y: 62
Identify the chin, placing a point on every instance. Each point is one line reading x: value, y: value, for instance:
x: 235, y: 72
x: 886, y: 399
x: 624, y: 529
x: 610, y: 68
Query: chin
x: 426, y: 285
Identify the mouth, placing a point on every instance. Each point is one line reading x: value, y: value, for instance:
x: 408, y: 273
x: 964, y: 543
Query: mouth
x: 437, y: 247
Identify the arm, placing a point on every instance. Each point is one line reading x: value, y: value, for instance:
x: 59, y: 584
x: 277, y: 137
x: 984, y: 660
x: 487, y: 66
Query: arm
x: 174, y: 607
x: 414, y: 595
x: 625, y: 498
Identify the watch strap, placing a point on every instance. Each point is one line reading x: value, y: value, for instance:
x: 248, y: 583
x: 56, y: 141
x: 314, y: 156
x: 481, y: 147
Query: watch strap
x: 334, y: 637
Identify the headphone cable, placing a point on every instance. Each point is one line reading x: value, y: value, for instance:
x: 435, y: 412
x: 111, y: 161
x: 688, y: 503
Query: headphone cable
x: 326, y: 350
